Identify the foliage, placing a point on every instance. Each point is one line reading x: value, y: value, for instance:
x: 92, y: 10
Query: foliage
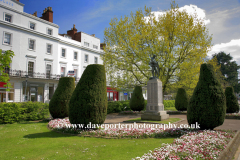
x: 231, y: 101
x: 207, y: 105
x: 228, y: 68
x: 181, y: 101
x: 5, y: 60
x: 89, y: 101
x: 24, y: 111
x: 179, y: 40
x: 59, y: 104
x: 119, y: 106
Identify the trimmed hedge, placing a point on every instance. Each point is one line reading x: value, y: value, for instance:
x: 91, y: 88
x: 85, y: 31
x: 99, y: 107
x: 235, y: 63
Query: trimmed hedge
x: 23, y: 111
x: 118, y: 106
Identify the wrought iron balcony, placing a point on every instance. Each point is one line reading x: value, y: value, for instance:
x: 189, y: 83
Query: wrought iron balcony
x: 37, y: 75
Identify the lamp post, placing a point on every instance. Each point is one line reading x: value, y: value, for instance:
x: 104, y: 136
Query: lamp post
x: 26, y: 88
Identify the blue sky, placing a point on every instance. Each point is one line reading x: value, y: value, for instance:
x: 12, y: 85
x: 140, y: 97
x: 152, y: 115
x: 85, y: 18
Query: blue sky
x: 93, y: 16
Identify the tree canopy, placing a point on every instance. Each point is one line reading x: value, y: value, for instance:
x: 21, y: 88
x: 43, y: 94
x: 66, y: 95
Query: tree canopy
x: 179, y: 40
x: 228, y: 69
x: 5, y: 60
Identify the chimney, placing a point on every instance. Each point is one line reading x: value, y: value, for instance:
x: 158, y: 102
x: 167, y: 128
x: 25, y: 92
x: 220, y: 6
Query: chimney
x: 47, y: 14
x: 93, y: 35
x: 17, y: 0
x: 102, y: 46
x: 72, y: 32
x: 35, y: 14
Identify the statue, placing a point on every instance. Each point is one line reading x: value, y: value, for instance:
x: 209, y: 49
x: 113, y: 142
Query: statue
x: 155, y: 68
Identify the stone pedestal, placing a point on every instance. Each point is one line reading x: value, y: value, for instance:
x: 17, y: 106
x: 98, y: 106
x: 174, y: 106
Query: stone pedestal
x: 155, y: 108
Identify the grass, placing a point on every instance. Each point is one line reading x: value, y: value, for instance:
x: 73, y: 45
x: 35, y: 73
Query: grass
x: 171, y: 120
x: 33, y: 141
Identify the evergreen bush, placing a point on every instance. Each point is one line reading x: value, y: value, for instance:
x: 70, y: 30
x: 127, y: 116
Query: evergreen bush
x: 59, y: 104
x: 89, y: 99
x: 207, y: 106
x: 231, y: 100
x: 181, y: 101
x: 137, y: 100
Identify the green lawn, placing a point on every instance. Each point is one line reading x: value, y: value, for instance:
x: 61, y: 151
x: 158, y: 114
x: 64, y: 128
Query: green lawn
x: 33, y: 141
x: 171, y: 120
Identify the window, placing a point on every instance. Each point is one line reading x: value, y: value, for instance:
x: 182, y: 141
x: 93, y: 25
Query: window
x: 30, y: 68
x: 86, y: 58
x: 32, y: 25
x: 75, y: 56
x: 75, y: 73
x: 48, y: 71
x: 8, y: 18
x: 63, y: 52
x: 49, y: 31
x: 95, y: 60
x: 31, y: 44
x: 62, y: 71
x: 86, y: 44
x: 94, y: 46
x: 7, y: 38
x: 49, y: 48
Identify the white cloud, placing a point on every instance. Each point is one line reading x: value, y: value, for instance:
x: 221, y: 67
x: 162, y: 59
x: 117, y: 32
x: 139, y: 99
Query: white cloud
x: 191, y: 10
x: 232, y: 47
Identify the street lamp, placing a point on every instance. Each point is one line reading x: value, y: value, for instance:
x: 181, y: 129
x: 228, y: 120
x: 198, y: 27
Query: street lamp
x: 26, y: 88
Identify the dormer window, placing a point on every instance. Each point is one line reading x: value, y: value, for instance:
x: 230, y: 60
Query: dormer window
x: 8, y: 17
x: 49, y: 31
x: 86, y: 44
x: 32, y: 25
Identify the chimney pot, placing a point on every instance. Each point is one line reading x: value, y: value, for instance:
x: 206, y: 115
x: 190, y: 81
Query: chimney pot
x: 93, y: 35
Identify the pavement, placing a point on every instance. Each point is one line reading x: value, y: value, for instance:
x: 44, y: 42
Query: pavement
x: 229, y: 124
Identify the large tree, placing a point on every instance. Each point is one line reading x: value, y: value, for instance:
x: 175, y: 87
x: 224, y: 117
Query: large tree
x: 229, y: 69
x: 179, y: 40
x: 5, y: 60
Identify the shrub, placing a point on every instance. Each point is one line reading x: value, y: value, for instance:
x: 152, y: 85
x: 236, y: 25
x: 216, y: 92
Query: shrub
x: 231, y: 101
x: 207, y: 105
x: 23, y: 111
x: 89, y: 101
x: 137, y: 100
x: 59, y: 104
x: 181, y: 101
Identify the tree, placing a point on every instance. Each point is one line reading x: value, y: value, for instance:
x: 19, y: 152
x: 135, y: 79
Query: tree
x: 228, y: 69
x: 89, y: 101
x: 179, y: 40
x: 59, y: 104
x: 207, y: 105
x: 5, y: 60
x: 137, y: 100
x: 231, y: 101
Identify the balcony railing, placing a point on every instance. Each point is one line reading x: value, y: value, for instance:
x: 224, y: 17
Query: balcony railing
x: 38, y: 75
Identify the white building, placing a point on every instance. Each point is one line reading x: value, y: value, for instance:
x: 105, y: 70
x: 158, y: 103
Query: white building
x: 41, y: 52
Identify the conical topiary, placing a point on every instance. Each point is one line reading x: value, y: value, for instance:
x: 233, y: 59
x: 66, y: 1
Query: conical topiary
x: 207, y: 106
x: 59, y: 104
x: 137, y: 101
x: 231, y: 101
x: 89, y: 99
x: 181, y: 102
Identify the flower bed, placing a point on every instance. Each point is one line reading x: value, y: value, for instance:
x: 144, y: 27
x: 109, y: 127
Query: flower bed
x: 132, y: 112
x: 191, y: 144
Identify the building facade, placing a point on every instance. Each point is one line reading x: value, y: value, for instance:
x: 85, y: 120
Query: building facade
x: 42, y: 55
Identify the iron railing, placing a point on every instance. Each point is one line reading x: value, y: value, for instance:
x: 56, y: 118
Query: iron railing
x: 38, y: 75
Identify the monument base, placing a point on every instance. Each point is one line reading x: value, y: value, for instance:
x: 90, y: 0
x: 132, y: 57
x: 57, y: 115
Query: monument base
x: 159, y: 116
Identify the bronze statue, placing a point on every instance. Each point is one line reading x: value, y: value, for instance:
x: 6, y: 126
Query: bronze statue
x: 155, y: 68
